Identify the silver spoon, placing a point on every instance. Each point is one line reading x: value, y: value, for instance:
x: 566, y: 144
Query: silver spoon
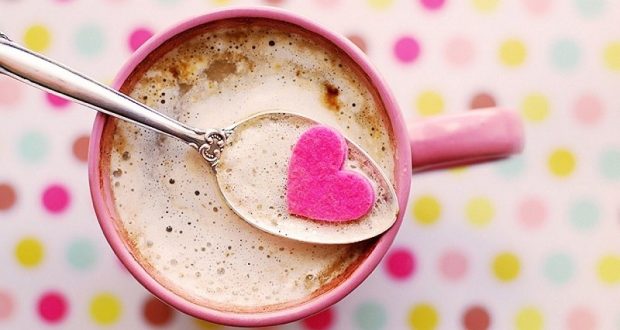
x: 213, y: 145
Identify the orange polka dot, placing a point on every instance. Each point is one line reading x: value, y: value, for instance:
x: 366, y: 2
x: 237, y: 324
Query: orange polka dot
x: 8, y: 197
x: 80, y: 148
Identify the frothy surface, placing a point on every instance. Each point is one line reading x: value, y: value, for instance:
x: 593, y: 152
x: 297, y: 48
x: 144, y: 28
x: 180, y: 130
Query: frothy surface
x: 170, y: 211
x: 252, y: 173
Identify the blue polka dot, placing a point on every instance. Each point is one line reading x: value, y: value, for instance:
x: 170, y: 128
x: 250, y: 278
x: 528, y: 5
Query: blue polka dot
x: 33, y: 147
x: 610, y: 164
x: 565, y: 54
x: 89, y: 40
x: 590, y: 8
x: 584, y: 214
x: 370, y: 316
x: 511, y: 167
x: 81, y: 254
x: 558, y: 268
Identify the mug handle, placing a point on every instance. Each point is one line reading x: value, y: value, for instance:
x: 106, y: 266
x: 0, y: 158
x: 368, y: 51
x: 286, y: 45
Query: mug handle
x: 472, y: 137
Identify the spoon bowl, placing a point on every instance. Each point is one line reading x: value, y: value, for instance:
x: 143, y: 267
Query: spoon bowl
x: 251, y: 173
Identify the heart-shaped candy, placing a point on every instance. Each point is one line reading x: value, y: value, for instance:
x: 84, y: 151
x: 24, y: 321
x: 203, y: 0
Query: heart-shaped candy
x: 318, y: 188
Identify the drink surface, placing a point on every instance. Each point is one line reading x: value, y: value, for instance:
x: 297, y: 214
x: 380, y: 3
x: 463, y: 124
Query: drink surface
x: 171, y: 214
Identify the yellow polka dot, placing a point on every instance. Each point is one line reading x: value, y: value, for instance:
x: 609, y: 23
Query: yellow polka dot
x: 535, y: 107
x: 380, y: 4
x: 37, y: 38
x: 506, y: 267
x: 612, y: 56
x: 561, y: 163
x: 457, y: 170
x: 423, y: 317
x: 105, y: 309
x: 429, y: 104
x: 512, y: 53
x: 205, y: 325
x: 609, y: 269
x: 529, y: 318
x: 426, y: 210
x: 479, y: 211
x: 29, y: 252
x: 485, y: 5
x: 220, y: 2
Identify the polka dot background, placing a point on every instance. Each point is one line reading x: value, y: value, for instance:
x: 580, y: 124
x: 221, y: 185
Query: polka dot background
x: 526, y: 243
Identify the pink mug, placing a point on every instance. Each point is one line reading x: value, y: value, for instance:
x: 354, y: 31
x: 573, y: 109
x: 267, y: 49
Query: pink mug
x: 440, y: 142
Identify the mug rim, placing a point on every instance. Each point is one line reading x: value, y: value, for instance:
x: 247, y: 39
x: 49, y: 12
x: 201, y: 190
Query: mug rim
x: 101, y: 197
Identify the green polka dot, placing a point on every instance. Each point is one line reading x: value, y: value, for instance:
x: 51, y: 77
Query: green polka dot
x: 81, y: 254
x: 590, y: 8
x: 89, y: 40
x: 584, y: 214
x: 558, y: 268
x: 511, y: 167
x: 33, y: 147
x: 610, y: 164
x: 370, y: 316
x: 565, y: 54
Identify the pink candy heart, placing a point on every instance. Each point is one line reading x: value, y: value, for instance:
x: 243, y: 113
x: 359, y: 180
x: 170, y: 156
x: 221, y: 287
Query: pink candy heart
x: 318, y: 188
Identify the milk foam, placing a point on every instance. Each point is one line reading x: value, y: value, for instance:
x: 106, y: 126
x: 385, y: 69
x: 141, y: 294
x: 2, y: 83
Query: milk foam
x: 175, y: 221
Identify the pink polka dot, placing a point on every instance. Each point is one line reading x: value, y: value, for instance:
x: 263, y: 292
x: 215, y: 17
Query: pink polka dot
x: 537, y: 7
x: 56, y: 101
x: 52, y: 307
x: 432, y: 4
x: 532, y: 213
x: 407, y: 49
x: 10, y: 91
x: 459, y: 52
x: 138, y: 37
x: 453, y: 265
x: 55, y: 198
x: 6, y: 306
x: 581, y: 318
x: 588, y: 109
x: 320, y: 321
x: 400, y: 263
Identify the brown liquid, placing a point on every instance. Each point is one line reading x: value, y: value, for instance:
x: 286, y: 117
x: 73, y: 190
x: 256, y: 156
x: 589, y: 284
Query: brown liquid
x: 170, y: 214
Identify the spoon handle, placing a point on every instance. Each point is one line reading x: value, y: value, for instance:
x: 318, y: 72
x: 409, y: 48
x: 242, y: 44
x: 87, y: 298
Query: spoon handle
x: 41, y: 72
